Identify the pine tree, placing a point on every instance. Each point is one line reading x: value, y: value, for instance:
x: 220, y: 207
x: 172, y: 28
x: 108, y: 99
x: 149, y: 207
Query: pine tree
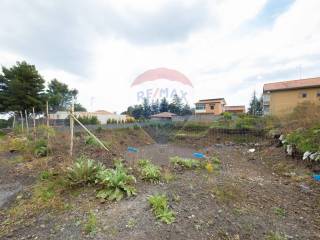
x: 176, y: 105
x: 255, y: 108
x: 146, y: 108
x: 164, y: 105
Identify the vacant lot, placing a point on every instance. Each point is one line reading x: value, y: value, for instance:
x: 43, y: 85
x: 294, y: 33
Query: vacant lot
x: 242, y: 195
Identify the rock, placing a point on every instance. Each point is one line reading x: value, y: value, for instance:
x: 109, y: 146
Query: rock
x: 306, y: 155
x: 251, y: 150
x: 281, y: 138
x: 8, y: 192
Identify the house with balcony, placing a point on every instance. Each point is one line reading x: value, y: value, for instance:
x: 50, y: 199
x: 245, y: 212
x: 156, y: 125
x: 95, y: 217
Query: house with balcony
x: 214, y: 106
x: 280, y: 98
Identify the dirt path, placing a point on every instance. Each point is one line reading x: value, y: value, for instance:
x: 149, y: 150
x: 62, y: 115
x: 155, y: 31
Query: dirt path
x: 247, y: 199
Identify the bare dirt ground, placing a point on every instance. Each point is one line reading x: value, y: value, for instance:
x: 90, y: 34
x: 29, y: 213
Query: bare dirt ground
x: 253, y: 196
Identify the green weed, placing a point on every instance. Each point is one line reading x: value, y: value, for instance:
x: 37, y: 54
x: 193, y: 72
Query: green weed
x: 117, y: 183
x: 275, y: 236
x: 279, y: 211
x: 159, y: 204
x: 149, y: 171
x: 185, y: 162
x: 83, y: 171
x: 91, y: 225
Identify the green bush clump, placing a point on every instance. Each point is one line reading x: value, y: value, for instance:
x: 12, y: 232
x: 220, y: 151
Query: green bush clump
x: 149, y: 171
x: 116, y: 183
x: 89, y: 120
x: 84, y: 171
x: 159, y: 204
x: 305, y: 139
x: 40, y: 148
x: 194, y: 126
x: 185, y: 162
x: 89, y: 140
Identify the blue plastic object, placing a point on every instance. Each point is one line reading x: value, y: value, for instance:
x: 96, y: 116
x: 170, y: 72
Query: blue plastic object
x: 199, y: 155
x: 316, y: 177
x: 132, y: 149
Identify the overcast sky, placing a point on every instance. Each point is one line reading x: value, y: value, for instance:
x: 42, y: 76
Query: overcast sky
x: 227, y: 48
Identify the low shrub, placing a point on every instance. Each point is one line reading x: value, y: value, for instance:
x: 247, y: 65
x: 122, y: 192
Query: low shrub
x: 185, y: 162
x: 89, y: 120
x: 149, y: 171
x: 84, y: 171
x: 116, y: 183
x: 89, y: 140
x: 305, y: 139
x: 159, y: 204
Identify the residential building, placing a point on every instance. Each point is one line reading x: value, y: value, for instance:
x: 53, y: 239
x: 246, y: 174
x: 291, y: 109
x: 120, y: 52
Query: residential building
x: 213, y: 106
x: 102, y: 115
x: 163, y: 116
x: 235, y: 109
x: 281, y: 98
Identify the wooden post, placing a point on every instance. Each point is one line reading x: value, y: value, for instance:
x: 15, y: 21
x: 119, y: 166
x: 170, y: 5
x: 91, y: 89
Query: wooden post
x: 21, y: 120
x: 88, y: 131
x: 34, y: 122
x: 47, y: 111
x: 14, y: 120
x: 27, y: 124
x: 71, y: 128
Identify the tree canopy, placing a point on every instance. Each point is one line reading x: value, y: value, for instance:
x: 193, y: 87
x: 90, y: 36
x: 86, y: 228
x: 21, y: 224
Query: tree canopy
x: 21, y: 87
x: 60, y: 96
x: 147, y: 109
x: 256, y: 105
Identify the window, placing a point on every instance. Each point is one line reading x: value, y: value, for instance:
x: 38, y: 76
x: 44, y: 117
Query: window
x: 212, y: 107
x: 304, y: 95
x: 200, y: 106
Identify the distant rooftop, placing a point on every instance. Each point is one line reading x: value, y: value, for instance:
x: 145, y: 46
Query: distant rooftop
x: 211, y: 100
x: 293, y: 84
x: 163, y: 115
x: 234, y: 108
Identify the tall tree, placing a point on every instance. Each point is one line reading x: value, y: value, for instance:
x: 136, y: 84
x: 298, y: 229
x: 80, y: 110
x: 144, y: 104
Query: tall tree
x: 255, y: 107
x: 155, y: 107
x: 146, y: 108
x: 60, y: 96
x: 137, y: 111
x: 21, y: 88
x: 176, y: 105
x: 164, y: 105
x: 186, y: 110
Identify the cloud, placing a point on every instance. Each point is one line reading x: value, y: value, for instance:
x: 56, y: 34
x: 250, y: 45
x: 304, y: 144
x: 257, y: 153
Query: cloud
x: 227, y: 48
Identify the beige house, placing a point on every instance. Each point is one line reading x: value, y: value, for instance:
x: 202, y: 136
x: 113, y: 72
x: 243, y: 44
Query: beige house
x: 217, y: 106
x: 281, y: 98
x: 102, y: 115
x: 213, y: 106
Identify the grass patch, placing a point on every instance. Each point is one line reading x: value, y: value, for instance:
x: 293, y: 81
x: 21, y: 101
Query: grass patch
x: 149, y: 171
x: 167, y: 175
x: 228, y: 192
x: 160, y: 208
x: 90, y: 226
x: 185, y: 162
x: 280, y: 212
x: 275, y: 236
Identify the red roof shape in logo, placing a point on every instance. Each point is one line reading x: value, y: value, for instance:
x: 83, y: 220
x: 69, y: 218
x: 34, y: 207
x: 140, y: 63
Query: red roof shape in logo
x: 161, y: 73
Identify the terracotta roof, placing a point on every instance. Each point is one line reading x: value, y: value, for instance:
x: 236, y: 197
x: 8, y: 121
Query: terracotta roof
x: 102, y: 112
x: 234, y: 108
x: 293, y: 84
x: 211, y: 100
x: 164, y: 115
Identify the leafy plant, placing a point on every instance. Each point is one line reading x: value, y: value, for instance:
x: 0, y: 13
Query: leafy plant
x: 84, y: 171
x: 89, y: 140
x: 185, y: 162
x: 40, y: 148
x: 159, y: 204
x: 117, y: 183
x: 149, y: 171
